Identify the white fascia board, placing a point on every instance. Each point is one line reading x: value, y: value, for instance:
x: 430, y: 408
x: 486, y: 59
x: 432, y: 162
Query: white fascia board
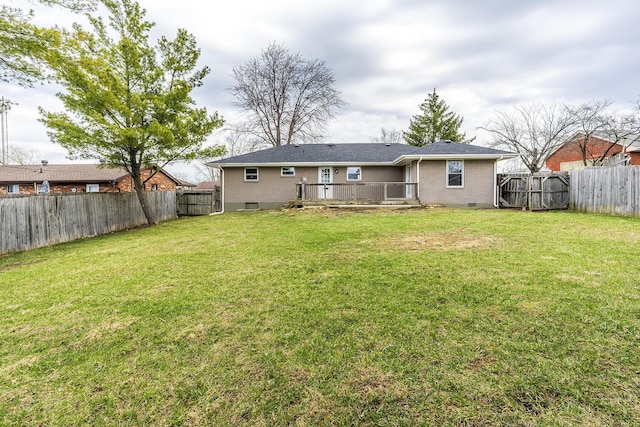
x: 404, y: 159
x: 299, y: 165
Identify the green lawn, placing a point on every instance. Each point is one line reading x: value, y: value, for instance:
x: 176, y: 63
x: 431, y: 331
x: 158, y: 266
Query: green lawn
x: 420, y: 317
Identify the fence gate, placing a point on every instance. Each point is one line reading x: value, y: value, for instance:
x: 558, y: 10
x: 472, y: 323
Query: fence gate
x: 541, y: 191
x: 197, y: 202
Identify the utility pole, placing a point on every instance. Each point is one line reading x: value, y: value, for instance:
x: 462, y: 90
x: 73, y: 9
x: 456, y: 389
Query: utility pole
x: 5, y: 105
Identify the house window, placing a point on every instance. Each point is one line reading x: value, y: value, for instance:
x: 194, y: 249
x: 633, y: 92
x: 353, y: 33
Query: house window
x: 154, y: 187
x: 93, y: 188
x: 354, y: 173
x: 455, y: 173
x: 13, y: 189
x: 290, y: 171
x: 251, y: 174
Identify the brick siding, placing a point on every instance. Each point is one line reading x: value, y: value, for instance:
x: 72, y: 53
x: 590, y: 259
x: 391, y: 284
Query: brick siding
x: 569, y: 153
x: 163, y: 183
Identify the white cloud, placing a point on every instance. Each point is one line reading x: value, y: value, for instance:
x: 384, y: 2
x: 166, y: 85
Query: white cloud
x: 482, y: 56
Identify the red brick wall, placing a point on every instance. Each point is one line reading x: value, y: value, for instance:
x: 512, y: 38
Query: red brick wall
x: 160, y: 179
x: 63, y: 188
x: 24, y: 189
x: 572, y: 153
x: 163, y: 183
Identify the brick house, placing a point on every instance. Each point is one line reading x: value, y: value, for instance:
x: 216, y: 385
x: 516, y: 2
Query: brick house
x: 77, y: 178
x: 569, y: 156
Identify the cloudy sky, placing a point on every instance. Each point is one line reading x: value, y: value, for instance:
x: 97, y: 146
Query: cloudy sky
x: 481, y: 56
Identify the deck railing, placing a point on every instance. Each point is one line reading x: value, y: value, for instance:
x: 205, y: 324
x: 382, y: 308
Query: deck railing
x: 370, y: 191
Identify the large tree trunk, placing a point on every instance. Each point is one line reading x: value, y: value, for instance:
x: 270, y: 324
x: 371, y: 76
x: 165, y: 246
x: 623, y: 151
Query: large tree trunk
x: 143, y: 198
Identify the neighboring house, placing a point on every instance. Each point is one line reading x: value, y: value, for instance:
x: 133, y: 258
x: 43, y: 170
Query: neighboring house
x: 76, y: 178
x: 445, y: 172
x: 185, y: 185
x: 207, y: 185
x: 569, y: 155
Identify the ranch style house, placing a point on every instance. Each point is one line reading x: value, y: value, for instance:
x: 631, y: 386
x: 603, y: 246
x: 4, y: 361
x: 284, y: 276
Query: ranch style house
x: 445, y: 172
x: 77, y: 178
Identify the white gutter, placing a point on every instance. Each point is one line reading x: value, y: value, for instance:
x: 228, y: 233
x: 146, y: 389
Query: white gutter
x: 221, y: 193
x: 299, y: 164
x: 404, y: 158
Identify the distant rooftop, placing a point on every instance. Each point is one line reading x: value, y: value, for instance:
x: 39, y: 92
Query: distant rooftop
x: 17, y: 174
x: 60, y: 173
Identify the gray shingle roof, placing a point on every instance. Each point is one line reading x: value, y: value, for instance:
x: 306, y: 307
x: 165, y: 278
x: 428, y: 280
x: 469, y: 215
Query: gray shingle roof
x: 16, y: 174
x: 364, y: 153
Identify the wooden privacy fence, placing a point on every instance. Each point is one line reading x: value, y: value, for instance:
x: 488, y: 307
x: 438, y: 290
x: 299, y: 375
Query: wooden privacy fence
x: 198, y: 202
x: 613, y: 190
x: 29, y: 222
x: 541, y: 191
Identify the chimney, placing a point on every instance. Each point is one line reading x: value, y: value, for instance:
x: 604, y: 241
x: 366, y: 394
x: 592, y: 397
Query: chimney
x: 44, y: 162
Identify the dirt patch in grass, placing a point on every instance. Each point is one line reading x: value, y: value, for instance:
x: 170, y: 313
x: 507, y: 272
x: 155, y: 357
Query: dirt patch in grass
x: 17, y: 264
x: 435, y: 240
x: 338, y: 211
x: 370, y: 383
x: 11, y: 368
x: 108, y: 327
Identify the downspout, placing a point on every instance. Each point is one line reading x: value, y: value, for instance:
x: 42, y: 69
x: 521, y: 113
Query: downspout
x: 495, y: 183
x: 221, y: 193
x: 418, y: 180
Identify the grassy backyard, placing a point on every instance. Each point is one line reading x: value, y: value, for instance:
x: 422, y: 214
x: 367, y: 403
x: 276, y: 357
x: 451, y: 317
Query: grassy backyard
x: 421, y: 317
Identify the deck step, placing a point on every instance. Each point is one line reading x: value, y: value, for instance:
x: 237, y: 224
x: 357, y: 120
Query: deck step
x: 364, y: 204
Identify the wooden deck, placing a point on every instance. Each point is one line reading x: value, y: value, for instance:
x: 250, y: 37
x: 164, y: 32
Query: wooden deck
x: 374, y: 193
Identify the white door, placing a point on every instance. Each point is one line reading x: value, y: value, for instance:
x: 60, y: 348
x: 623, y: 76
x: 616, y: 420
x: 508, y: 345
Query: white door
x: 407, y: 178
x: 325, y: 176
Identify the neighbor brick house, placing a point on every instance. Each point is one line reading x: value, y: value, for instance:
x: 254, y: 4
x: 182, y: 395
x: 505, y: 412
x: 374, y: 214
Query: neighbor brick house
x: 445, y: 172
x: 77, y: 178
x: 569, y: 155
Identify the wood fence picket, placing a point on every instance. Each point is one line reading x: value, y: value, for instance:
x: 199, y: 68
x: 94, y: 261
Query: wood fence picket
x: 614, y: 190
x: 29, y: 222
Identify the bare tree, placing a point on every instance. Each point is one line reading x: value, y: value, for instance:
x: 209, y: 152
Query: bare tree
x: 624, y: 129
x: 600, y: 131
x: 237, y: 142
x: 288, y: 98
x: 388, y: 137
x: 22, y: 155
x: 534, y: 130
x: 206, y: 174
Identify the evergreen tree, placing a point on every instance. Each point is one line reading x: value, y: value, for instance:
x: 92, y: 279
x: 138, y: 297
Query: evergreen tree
x: 435, y: 123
